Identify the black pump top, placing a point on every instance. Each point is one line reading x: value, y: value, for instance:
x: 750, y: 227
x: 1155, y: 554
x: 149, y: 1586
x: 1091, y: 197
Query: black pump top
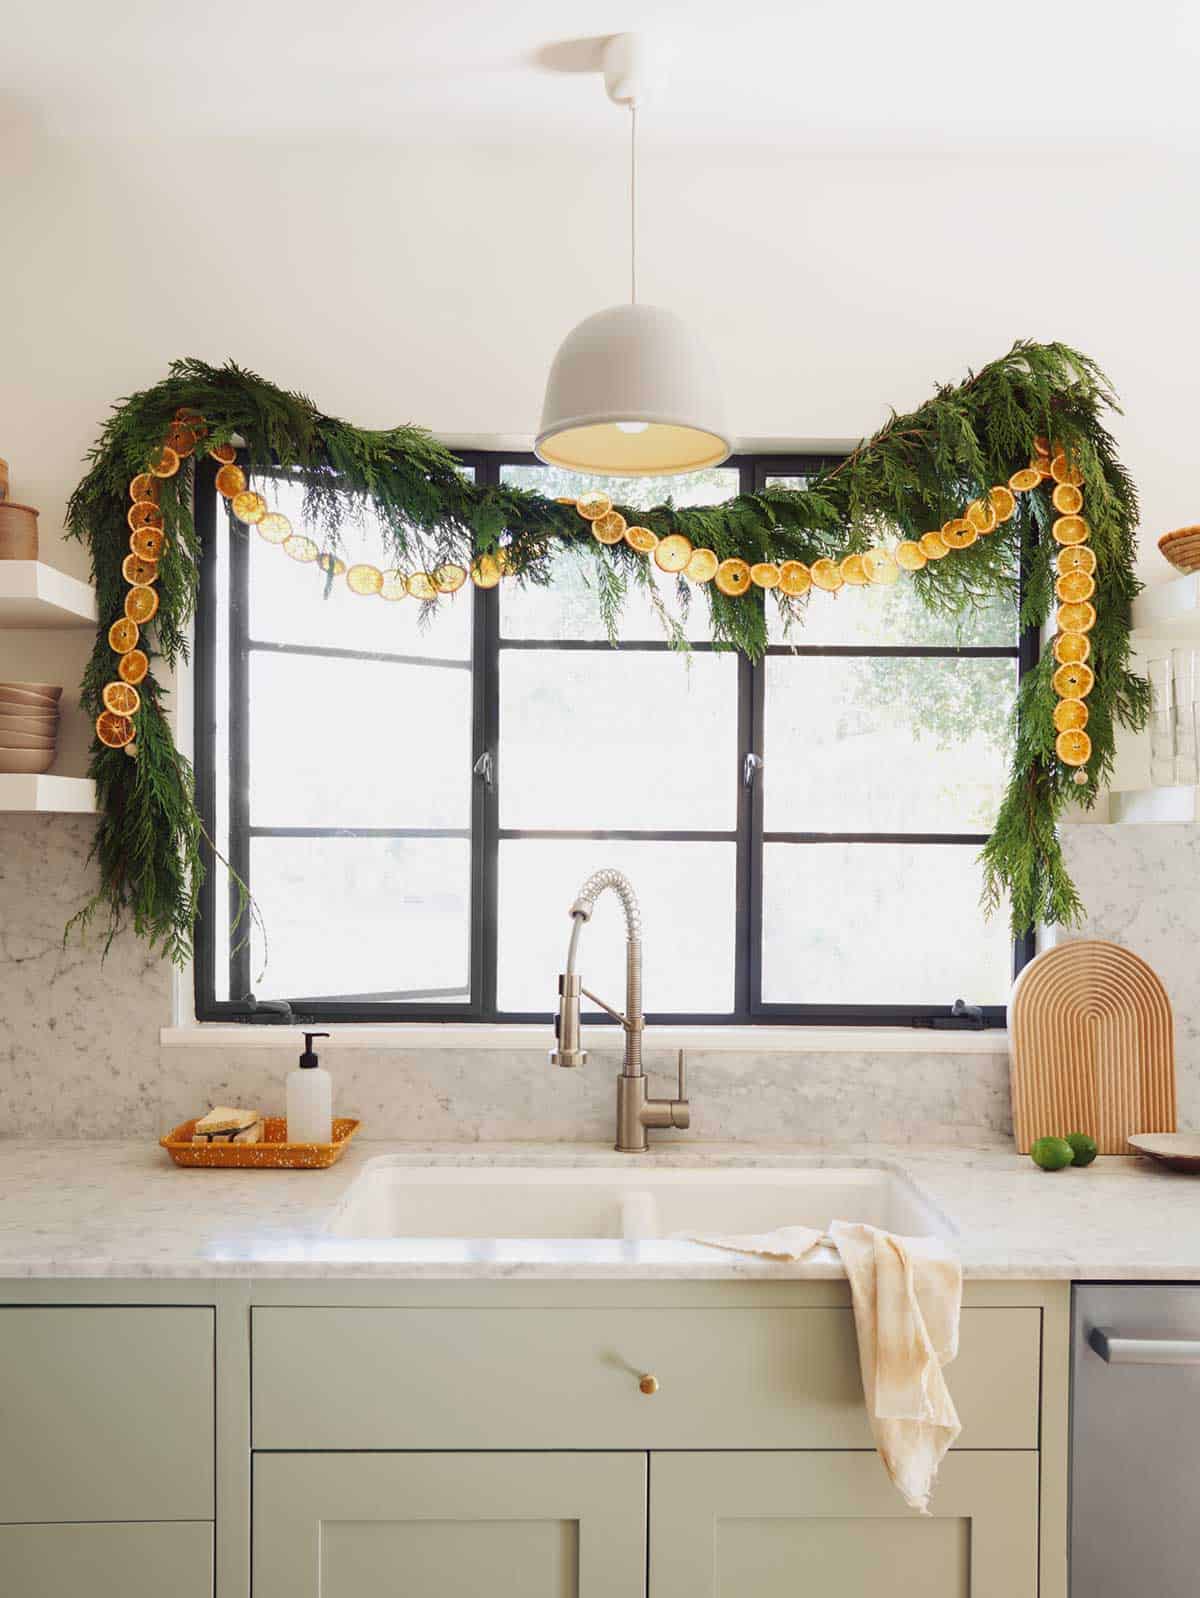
x: 308, y: 1059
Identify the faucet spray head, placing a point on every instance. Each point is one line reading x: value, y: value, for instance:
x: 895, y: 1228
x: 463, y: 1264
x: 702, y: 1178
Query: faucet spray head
x: 566, y: 1023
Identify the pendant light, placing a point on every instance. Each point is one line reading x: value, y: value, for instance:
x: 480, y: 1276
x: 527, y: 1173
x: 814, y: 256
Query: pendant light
x: 632, y: 391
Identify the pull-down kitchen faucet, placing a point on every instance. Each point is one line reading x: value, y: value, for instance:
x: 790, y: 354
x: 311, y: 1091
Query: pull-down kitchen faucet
x: 635, y: 1112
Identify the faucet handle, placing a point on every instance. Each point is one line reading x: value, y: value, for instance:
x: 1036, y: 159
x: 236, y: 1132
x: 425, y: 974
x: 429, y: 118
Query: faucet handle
x: 683, y: 1076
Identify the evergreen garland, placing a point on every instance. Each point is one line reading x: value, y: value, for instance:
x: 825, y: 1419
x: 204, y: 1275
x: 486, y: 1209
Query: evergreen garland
x: 917, y: 471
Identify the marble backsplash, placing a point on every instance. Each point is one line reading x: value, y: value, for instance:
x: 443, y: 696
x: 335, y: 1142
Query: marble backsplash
x: 80, y: 1053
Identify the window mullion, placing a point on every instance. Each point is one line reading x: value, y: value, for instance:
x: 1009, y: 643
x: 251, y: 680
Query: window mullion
x: 485, y: 835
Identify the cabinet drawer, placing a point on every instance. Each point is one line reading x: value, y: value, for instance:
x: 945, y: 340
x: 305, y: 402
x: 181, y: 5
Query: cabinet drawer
x: 107, y: 1561
x: 107, y: 1414
x: 568, y: 1378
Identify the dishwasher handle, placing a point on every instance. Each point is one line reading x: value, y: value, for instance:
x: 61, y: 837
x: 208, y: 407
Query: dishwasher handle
x: 1144, y: 1350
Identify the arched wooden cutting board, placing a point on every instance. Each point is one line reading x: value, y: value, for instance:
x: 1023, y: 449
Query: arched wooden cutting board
x: 1093, y: 1047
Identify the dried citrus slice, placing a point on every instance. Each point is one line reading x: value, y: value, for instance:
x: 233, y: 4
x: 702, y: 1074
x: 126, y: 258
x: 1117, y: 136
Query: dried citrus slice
x: 144, y: 486
x: 1021, y: 482
x: 141, y: 604
x: 329, y: 562
x: 934, y: 546
x: 114, y: 731
x: 641, y: 539
x: 733, y: 577
x: 167, y: 463
x: 672, y: 553
x: 1071, y: 530
x: 225, y: 454
x: 959, y: 533
x: 248, y: 506
x: 1003, y: 503
x: 364, y: 579
x: 485, y: 571
x: 449, y: 579
x: 121, y: 698
x: 143, y: 513
x: 1073, y: 748
x: 395, y: 585
x: 565, y: 499
x: 1070, y: 715
x: 1076, y: 558
x: 702, y: 566
x: 1072, y: 649
x: 764, y: 574
x: 910, y: 557
x: 826, y: 575
x: 1075, y: 586
x: 181, y: 439
x: 609, y: 528
x: 853, y: 571
x: 274, y: 527
x: 1041, y: 445
x: 794, y: 578
x: 1067, y: 499
x: 147, y: 542
x: 1064, y: 471
x: 231, y: 480
x: 881, y: 567
x: 1073, y: 682
x: 132, y: 667
x: 300, y: 548
x: 1079, y: 618
x: 137, y: 571
x: 420, y: 586
x: 981, y: 514
x: 122, y: 635
x: 594, y: 505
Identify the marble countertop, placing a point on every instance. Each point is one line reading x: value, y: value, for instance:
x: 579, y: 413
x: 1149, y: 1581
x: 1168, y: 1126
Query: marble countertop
x: 94, y: 1209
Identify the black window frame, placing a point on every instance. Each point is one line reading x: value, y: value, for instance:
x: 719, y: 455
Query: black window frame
x: 485, y: 833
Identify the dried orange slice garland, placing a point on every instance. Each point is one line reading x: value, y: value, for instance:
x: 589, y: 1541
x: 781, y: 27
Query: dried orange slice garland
x: 673, y: 554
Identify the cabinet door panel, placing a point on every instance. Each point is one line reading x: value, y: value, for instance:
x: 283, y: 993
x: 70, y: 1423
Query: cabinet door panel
x: 107, y: 1561
x: 449, y: 1525
x: 786, y: 1525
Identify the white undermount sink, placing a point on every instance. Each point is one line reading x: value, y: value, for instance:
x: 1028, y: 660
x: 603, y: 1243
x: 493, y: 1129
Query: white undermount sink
x: 395, y: 1200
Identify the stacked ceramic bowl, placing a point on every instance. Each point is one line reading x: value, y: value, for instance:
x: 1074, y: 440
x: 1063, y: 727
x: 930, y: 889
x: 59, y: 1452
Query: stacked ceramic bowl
x: 28, y: 726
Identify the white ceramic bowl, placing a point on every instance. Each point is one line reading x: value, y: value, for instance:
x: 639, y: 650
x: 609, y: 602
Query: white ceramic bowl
x: 26, y: 762
x: 27, y: 740
x: 21, y: 702
x: 47, y: 690
x: 36, y: 722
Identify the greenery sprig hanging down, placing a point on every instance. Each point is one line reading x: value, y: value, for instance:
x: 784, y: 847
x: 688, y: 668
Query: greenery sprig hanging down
x: 917, y: 472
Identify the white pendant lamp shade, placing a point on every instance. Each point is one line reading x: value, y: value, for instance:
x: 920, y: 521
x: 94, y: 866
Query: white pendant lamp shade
x: 633, y: 393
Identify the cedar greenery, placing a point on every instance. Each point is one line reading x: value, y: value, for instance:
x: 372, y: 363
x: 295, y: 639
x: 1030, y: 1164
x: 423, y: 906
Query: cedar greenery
x: 915, y: 473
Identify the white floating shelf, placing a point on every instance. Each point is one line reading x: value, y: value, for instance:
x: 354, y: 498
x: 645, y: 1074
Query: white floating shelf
x: 33, y: 594
x: 1139, y: 806
x: 1169, y: 610
x: 72, y: 795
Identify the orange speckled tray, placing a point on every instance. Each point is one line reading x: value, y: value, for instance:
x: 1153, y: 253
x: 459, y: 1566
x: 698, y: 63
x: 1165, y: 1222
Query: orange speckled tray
x: 274, y: 1153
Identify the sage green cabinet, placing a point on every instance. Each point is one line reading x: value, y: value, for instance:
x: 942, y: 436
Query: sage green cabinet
x: 510, y: 1525
x: 781, y: 1525
x: 146, y: 1561
x: 107, y: 1413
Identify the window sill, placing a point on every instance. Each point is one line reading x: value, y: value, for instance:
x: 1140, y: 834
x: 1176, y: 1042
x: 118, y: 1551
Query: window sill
x: 708, y: 1039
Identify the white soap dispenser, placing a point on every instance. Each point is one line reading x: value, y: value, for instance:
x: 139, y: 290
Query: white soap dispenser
x: 310, y: 1098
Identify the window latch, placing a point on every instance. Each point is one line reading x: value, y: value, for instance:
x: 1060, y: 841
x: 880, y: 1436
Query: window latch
x: 485, y: 769
x: 963, y: 1017
x: 750, y: 765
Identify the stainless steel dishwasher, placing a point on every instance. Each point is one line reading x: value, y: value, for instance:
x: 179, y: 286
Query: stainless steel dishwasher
x: 1135, y: 1441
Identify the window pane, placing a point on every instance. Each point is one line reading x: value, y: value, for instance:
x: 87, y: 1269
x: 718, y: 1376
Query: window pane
x: 875, y: 923
x: 387, y: 918
x: 686, y: 892
x: 892, y: 615
x: 358, y: 743
x: 885, y: 744
x: 604, y: 739
x: 570, y: 608
x: 288, y: 602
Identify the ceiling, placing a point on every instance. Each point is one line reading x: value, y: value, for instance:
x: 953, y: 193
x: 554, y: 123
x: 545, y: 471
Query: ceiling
x: 937, y: 74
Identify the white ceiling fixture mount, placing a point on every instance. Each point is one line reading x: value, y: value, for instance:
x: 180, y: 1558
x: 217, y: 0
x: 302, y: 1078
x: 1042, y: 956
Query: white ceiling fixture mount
x: 632, y: 391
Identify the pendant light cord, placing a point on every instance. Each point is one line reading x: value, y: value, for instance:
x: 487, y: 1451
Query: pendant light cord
x: 633, y: 203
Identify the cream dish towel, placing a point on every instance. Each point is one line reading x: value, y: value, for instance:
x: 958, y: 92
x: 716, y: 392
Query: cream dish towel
x: 907, y: 1294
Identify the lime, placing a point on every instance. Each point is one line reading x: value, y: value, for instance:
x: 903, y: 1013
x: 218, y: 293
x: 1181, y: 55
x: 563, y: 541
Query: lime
x: 1084, y: 1146
x: 1052, y: 1153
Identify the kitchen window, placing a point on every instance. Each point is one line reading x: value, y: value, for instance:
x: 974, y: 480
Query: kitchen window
x: 414, y: 806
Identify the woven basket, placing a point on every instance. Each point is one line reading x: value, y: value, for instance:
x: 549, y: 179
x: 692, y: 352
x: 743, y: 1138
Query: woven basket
x: 272, y: 1154
x: 1182, y: 548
